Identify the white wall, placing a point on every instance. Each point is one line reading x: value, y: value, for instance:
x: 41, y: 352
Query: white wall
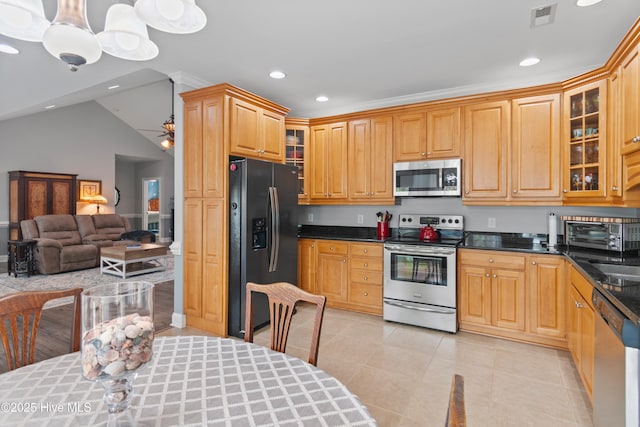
x: 512, y: 219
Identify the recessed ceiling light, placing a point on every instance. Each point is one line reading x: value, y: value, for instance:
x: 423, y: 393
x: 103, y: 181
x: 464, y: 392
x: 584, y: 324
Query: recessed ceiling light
x: 529, y: 62
x: 49, y: 107
x: 322, y: 98
x: 113, y: 87
x: 584, y: 3
x: 5, y: 48
x: 277, y: 75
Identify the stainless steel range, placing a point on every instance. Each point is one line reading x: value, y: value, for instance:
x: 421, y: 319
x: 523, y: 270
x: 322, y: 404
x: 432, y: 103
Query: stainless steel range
x: 420, y: 276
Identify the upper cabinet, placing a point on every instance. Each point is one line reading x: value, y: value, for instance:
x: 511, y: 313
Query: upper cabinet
x: 297, y: 146
x: 629, y: 102
x: 256, y: 132
x: 370, y: 173
x: 486, y: 145
x: 584, y: 142
x: 434, y: 134
x: 328, y: 166
x: 535, y: 153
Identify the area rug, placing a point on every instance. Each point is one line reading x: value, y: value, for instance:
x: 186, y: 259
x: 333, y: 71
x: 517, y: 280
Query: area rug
x: 81, y: 278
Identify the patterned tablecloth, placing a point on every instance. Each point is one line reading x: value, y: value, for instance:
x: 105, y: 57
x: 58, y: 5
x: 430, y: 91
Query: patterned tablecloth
x: 190, y: 381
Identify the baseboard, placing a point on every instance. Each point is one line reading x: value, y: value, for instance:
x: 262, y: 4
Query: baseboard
x: 4, y: 258
x: 178, y: 320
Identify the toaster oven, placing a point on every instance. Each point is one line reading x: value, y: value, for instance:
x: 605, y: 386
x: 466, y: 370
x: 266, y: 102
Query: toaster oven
x: 607, y: 234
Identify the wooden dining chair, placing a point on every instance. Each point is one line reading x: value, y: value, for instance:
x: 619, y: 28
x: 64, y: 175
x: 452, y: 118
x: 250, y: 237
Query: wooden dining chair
x: 456, y: 414
x: 19, y: 320
x: 282, y: 300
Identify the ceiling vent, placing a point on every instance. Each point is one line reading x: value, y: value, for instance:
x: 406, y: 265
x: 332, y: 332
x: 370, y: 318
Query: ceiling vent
x: 543, y: 15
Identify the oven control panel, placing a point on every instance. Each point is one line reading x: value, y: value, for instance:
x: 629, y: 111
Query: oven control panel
x: 441, y: 222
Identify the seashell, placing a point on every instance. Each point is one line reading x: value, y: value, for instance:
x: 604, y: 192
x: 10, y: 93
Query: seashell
x: 106, y: 337
x: 145, y: 325
x: 132, y: 331
x: 119, y: 338
x: 114, y: 369
x: 132, y: 364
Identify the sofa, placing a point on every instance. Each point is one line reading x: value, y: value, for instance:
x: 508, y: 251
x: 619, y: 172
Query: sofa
x: 72, y: 242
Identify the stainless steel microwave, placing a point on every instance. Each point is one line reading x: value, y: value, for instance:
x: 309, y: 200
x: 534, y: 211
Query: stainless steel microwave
x: 605, y: 235
x: 427, y: 178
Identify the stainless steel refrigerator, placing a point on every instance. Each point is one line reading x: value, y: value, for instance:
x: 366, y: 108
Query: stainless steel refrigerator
x: 263, y: 234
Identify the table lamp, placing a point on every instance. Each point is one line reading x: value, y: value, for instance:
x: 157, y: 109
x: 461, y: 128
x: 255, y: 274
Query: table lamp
x: 98, y: 200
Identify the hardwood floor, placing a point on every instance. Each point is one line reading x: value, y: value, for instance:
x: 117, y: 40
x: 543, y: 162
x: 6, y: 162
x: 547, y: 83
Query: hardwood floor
x: 54, y: 334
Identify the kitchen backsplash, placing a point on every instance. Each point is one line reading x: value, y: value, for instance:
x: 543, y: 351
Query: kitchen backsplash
x: 507, y: 219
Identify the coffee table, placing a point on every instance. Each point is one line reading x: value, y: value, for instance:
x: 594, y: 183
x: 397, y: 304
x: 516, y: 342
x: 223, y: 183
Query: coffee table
x: 130, y: 260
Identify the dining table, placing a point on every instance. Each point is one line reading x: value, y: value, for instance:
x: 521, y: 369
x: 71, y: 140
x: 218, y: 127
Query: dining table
x: 189, y: 381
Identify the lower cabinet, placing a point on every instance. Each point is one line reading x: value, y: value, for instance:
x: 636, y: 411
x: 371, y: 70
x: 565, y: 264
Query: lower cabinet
x: 349, y: 274
x: 581, y: 327
x: 512, y: 295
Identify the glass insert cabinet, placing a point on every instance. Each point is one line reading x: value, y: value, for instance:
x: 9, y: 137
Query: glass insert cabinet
x: 297, y: 136
x: 584, y: 138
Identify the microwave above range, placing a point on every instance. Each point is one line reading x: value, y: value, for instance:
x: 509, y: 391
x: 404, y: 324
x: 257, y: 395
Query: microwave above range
x: 610, y: 234
x: 427, y: 178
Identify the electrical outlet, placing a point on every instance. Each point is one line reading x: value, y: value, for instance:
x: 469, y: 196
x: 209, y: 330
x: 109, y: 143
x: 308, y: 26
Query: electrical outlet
x: 310, y: 217
x: 360, y: 219
x: 491, y: 223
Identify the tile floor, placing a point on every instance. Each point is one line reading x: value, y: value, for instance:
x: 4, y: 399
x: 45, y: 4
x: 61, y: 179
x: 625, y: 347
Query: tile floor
x: 403, y: 373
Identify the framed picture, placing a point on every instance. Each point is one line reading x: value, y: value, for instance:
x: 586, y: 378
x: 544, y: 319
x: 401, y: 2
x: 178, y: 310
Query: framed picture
x: 88, y: 189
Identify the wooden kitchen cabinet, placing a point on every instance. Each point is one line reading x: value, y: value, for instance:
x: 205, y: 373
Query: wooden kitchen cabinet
x: 491, y: 290
x: 535, y: 149
x: 370, y: 153
x: 486, y: 147
x: 629, y: 101
x: 365, y: 277
x: 256, y: 132
x: 332, y: 279
x: 432, y: 134
x: 512, y: 295
x: 547, y: 299
x: 581, y: 327
x: 207, y: 144
x: 297, y: 148
x: 39, y: 193
x: 307, y: 265
x: 328, y: 165
x: 585, y: 143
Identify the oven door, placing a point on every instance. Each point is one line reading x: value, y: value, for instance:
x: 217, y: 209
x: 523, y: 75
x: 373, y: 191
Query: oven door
x: 420, y: 274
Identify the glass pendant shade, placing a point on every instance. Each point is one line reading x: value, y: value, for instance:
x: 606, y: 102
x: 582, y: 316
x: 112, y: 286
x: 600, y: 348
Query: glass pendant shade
x: 125, y: 35
x: 70, y: 38
x: 23, y: 19
x: 172, y: 16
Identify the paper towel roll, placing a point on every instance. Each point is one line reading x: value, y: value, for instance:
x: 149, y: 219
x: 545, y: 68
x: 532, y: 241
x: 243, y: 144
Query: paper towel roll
x: 553, y: 230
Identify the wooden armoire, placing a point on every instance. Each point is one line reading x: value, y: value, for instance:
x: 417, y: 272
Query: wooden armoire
x: 39, y: 193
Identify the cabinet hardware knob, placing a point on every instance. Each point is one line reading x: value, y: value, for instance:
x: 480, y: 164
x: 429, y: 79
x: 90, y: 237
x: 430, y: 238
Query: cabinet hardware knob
x: 344, y: 260
x: 365, y: 278
x: 495, y: 275
x: 366, y: 294
x: 487, y: 275
x: 579, y: 305
x: 515, y: 191
x: 466, y: 191
x: 614, y: 188
x: 533, y: 263
x: 366, y: 265
x: 331, y: 248
x: 491, y: 260
x: 564, y: 190
x: 636, y: 139
x: 366, y: 250
x: 423, y: 154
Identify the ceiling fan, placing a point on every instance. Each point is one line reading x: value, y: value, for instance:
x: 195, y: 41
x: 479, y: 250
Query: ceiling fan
x: 168, y: 127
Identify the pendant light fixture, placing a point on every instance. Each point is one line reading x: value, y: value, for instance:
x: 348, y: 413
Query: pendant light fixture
x: 70, y: 38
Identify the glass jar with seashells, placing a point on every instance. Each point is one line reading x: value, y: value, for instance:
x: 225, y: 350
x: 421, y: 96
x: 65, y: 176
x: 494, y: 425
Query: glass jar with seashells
x: 117, y: 340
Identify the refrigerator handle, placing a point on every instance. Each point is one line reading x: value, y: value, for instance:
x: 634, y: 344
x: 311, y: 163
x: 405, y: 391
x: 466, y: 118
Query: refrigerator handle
x: 275, y: 229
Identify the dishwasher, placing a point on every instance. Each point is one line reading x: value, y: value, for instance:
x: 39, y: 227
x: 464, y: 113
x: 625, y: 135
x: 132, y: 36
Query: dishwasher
x: 615, y: 373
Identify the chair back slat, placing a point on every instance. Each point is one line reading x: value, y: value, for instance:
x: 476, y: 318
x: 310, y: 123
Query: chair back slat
x: 282, y: 298
x: 22, y: 311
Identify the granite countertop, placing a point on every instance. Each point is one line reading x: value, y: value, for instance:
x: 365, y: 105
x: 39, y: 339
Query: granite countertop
x: 519, y: 242
x: 331, y: 232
